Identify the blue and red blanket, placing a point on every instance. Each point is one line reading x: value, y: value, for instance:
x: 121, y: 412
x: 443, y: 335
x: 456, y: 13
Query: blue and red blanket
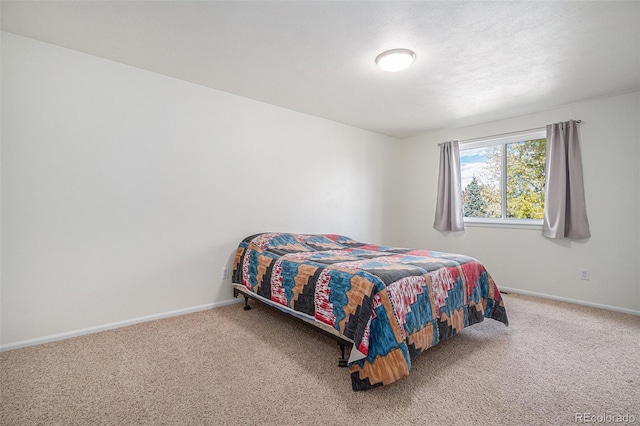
x: 392, y: 302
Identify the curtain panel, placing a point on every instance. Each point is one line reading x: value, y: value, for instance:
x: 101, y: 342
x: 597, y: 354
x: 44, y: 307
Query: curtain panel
x: 449, y: 202
x: 565, y: 212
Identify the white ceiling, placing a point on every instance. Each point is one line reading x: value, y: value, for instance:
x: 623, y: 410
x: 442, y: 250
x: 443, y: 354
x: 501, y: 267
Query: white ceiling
x: 476, y: 61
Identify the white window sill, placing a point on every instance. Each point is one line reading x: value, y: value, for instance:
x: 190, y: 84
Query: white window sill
x: 503, y: 223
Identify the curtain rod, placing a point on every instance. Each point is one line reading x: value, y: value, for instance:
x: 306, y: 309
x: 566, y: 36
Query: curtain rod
x: 505, y: 134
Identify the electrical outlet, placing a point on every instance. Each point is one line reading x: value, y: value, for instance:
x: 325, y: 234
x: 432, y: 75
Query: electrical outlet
x: 584, y: 275
x: 225, y: 272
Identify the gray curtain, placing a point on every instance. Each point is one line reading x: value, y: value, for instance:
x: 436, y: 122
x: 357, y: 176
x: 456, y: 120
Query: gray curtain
x: 565, y: 213
x: 449, y: 202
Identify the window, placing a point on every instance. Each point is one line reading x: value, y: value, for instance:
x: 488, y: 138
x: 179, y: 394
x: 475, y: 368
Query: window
x: 503, y: 179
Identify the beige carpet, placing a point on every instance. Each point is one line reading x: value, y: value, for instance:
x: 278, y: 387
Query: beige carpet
x: 228, y: 366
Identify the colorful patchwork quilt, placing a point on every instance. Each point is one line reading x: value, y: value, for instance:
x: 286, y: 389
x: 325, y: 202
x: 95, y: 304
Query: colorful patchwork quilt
x: 392, y: 302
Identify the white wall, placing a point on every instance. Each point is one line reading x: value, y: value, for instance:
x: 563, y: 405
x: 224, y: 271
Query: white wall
x: 125, y: 192
x: 522, y: 259
x: 1, y: 35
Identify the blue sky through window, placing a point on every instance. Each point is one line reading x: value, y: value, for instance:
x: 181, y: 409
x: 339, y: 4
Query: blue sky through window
x: 472, y: 164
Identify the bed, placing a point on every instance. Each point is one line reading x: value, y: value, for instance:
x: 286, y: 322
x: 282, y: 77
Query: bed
x: 390, y: 304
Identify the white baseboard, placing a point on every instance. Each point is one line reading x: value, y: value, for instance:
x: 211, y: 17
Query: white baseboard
x: 111, y: 326
x: 125, y: 323
x: 566, y: 299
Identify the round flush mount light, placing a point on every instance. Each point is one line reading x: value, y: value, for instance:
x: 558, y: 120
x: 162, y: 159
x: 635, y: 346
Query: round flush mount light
x: 395, y: 60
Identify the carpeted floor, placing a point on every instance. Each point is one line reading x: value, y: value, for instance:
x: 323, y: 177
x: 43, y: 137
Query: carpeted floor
x: 230, y: 366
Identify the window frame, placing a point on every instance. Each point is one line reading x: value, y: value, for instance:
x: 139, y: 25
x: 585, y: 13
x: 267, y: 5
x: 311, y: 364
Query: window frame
x: 502, y: 141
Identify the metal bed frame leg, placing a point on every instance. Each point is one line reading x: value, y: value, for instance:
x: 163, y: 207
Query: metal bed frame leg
x: 236, y: 293
x: 342, y: 361
x: 246, y: 303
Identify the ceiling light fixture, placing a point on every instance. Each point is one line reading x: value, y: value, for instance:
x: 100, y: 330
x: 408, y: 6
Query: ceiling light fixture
x: 395, y: 60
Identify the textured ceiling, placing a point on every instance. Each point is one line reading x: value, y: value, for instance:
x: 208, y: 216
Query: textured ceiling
x: 476, y: 61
